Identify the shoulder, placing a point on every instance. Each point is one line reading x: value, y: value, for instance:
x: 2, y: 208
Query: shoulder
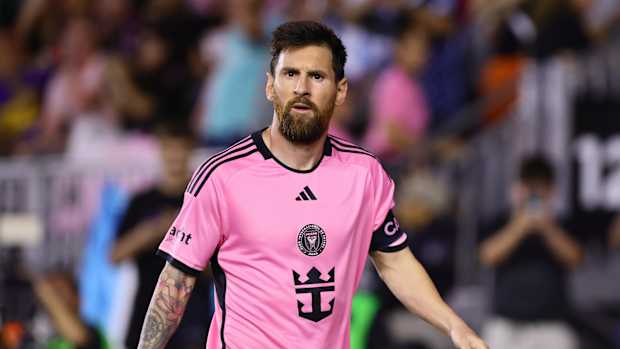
x: 223, y: 164
x: 353, y: 154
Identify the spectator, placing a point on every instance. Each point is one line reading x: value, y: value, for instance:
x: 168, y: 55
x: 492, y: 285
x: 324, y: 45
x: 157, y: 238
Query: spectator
x: 135, y: 106
x: 385, y: 17
x: 425, y: 210
x: 368, y: 51
x: 559, y: 26
x: 399, y: 113
x: 445, y: 77
x: 41, y: 23
x: 531, y: 252
x: 143, y: 226
x: 501, y: 72
x: 116, y: 24
x: 74, y: 91
x: 168, y: 50
x: 614, y: 235
x: 58, y: 295
x: 233, y: 103
x: 20, y: 87
x: 153, y: 83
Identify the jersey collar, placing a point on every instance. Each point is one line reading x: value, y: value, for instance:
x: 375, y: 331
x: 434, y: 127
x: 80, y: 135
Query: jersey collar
x: 266, y: 153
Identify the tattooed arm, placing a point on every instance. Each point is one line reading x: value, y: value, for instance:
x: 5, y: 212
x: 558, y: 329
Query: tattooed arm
x: 166, y: 309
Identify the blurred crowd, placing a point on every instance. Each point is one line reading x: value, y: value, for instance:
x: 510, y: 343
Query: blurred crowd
x: 95, y: 80
x: 73, y: 69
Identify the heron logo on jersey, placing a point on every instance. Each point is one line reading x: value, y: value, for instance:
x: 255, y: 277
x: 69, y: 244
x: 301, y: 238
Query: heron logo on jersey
x: 315, y: 286
x: 311, y: 240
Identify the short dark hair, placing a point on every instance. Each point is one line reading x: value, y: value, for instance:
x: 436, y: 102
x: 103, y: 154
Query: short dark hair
x: 536, y: 168
x: 303, y: 33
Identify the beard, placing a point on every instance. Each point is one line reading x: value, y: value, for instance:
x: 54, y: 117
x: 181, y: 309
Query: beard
x: 302, y: 129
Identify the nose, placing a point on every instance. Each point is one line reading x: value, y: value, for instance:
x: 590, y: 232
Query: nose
x: 301, y: 87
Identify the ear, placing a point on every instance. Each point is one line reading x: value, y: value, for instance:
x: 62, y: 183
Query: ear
x: 269, y: 93
x: 341, y: 91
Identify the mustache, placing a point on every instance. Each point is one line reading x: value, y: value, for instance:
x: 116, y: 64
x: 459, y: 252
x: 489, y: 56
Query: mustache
x: 301, y: 100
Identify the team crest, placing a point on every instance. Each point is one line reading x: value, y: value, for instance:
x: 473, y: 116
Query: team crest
x: 311, y: 240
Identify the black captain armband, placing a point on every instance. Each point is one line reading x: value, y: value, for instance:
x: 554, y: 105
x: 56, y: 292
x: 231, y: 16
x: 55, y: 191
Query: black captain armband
x: 388, y: 237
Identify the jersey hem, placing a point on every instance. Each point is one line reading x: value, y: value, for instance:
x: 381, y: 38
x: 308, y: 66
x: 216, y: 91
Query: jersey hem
x: 177, y: 264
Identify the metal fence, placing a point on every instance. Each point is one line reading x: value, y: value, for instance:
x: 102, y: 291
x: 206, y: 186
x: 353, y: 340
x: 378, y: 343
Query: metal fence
x: 62, y: 196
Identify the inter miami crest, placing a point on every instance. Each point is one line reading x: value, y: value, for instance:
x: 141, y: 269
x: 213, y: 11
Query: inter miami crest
x: 311, y: 240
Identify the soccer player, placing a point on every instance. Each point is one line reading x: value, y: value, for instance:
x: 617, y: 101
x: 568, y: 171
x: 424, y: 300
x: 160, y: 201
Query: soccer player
x: 286, y: 217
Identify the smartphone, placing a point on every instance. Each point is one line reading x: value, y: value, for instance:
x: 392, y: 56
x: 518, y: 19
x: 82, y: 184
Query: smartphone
x: 534, y: 204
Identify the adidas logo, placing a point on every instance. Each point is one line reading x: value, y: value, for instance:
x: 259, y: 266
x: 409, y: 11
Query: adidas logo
x: 306, y: 195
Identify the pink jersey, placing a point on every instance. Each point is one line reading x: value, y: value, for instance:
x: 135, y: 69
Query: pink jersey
x: 287, y: 247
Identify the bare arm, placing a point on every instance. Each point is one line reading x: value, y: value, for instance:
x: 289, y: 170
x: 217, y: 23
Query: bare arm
x: 410, y: 283
x: 137, y: 240
x: 563, y: 247
x: 499, y: 247
x: 144, y: 236
x: 166, y: 308
x: 66, y: 321
x: 614, y: 234
x: 615, y: 239
x: 123, y: 93
x: 31, y: 12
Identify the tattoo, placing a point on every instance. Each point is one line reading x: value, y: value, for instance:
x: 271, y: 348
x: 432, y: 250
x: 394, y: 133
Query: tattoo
x: 166, y: 309
x: 153, y: 330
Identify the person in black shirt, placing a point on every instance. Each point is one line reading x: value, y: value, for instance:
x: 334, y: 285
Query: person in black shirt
x: 531, y: 252
x: 146, y: 221
x: 58, y: 295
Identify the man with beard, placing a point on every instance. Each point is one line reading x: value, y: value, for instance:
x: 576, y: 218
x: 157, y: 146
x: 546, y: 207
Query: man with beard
x: 287, y: 217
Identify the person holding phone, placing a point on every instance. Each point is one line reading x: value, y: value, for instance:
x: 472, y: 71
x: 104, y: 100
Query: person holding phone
x: 531, y: 252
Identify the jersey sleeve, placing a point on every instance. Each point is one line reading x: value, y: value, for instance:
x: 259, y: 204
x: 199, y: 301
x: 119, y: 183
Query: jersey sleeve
x: 196, y: 232
x: 387, y: 235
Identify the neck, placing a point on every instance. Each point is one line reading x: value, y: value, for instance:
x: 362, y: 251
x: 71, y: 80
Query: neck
x: 301, y: 157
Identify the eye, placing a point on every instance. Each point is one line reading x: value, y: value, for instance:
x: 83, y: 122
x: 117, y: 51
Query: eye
x: 290, y: 73
x: 317, y: 76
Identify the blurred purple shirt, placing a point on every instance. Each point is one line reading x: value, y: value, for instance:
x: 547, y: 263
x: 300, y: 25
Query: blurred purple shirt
x: 398, y: 98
